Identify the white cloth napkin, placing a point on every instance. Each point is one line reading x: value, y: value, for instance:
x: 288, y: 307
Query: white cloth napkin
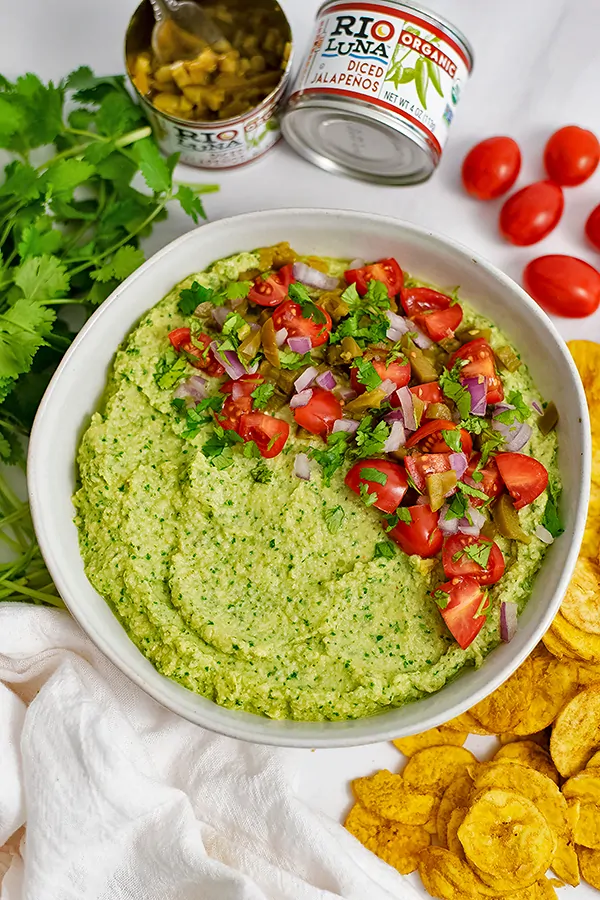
x: 123, y: 800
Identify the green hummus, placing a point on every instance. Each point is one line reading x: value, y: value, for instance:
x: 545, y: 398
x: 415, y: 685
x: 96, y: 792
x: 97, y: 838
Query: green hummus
x: 267, y: 597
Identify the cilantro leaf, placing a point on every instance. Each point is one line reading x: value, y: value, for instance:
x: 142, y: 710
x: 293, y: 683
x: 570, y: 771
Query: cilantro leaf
x: 23, y: 329
x: 370, y: 441
x: 370, y: 474
x: 262, y: 394
x: 170, y: 370
x: 190, y: 203
x: 251, y: 450
x: 366, y: 322
x: 471, y: 491
x: 42, y: 278
x: 299, y: 294
x: 67, y: 174
x: 261, y: 473
x: 453, y: 389
x: 334, y: 519
x: 366, y: 373
x: 478, y: 553
x: 366, y: 496
x: 377, y: 295
x: 452, y: 438
x: 457, y: 507
x: 39, y: 240
x: 218, y: 447
x: 237, y: 290
x: 290, y: 360
x: 551, y: 518
x: 384, y: 550
x: 125, y: 261
x: 441, y: 598
x: 332, y: 458
x: 520, y: 413
x: 156, y: 171
x: 190, y: 298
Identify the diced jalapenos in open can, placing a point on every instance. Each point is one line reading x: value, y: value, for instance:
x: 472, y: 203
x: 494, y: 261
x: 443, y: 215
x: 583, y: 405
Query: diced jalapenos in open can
x: 377, y: 92
x: 217, y: 106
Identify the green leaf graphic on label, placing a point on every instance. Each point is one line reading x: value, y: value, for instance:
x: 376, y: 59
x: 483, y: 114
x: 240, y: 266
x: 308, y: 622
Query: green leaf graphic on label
x: 434, y: 75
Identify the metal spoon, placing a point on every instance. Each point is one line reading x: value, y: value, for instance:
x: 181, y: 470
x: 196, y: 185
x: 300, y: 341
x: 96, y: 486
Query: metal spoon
x: 184, y: 24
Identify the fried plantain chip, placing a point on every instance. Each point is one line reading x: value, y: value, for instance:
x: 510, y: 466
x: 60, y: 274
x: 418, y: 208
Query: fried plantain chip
x: 584, y: 786
x: 457, y: 817
x: 467, y: 722
x: 586, y: 355
x: 587, y: 830
x: 556, y: 646
x: 594, y: 761
x: 457, y: 794
x: 398, y: 845
x: 446, y: 876
x: 556, y: 682
x: 435, y: 737
x: 506, y: 837
x: 582, y: 644
x: 581, y: 605
x: 501, y: 711
x: 576, y: 733
x: 528, y: 753
x: 388, y: 795
x: 542, y: 738
x: 589, y: 862
x: 589, y: 674
x: 433, y: 769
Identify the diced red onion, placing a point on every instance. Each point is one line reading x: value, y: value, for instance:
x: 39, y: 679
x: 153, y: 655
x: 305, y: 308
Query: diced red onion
x: 235, y: 303
x: 388, y: 387
x: 478, y: 390
x: 447, y: 526
x: 253, y: 368
x: 192, y: 389
x: 460, y: 463
x: 357, y: 263
x: 422, y: 501
x: 280, y: 336
x: 535, y: 405
x: 544, y: 535
x: 305, y: 379
x: 313, y: 277
x: 472, y: 523
x: 219, y: 314
x: 301, y: 399
x: 237, y: 391
x: 516, y: 434
x: 465, y: 527
x: 346, y: 394
x: 421, y: 339
x: 396, y: 439
x: 520, y: 439
x: 508, y: 620
x: 350, y: 426
x: 501, y: 407
x: 405, y: 398
x: 229, y: 360
x: 398, y: 326
x: 326, y: 380
x: 302, y: 467
x: 300, y: 345
x: 395, y: 415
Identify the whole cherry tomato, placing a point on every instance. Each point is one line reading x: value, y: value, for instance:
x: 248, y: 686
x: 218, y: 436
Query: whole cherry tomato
x: 592, y: 227
x: 531, y: 213
x: 563, y: 285
x: 571, y: 155
x: 491, y: 167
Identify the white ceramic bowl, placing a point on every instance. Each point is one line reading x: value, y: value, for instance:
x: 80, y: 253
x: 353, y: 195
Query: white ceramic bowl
x: 77, y: 386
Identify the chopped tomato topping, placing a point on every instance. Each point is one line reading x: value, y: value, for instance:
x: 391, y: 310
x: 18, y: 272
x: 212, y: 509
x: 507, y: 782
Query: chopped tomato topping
x: 268, y: 433
x: 464, y: 613
x: 201, y: 357
x: 386, y: 270
x: 389, y: 495
x: 525, y: 478
x: 480, y: 360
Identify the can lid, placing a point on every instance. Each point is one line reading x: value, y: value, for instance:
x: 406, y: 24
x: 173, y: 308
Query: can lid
x: 355, y: 140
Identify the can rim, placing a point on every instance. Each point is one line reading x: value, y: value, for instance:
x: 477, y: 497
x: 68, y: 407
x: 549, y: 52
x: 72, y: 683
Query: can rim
x: 423, y: 10
x: 277, y: 91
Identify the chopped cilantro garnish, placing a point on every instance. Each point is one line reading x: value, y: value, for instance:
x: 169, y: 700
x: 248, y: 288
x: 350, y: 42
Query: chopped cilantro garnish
x: 441, y: 598
x: 453, y: 389
x: 471, y: 491
x: 551, y: 518
x: 251, y: 450
x: 334, y: 519
x: 403, y: 514
x: 384, y: 550
x: 170, y: 370
x: 493, y: 440
x: 218, y: 447
x: 262, y: 394
x: 195, y: 418
x: 366, y: 322
x: 481, y: 611
x: 520, y: 412
x: 333, y: 457
x: 190, y: 298
x: 370, y: 441
x: 452, y: 438
x: 367, y: 373
x: 261, y: 473
x: 273, y: 440
x: 370, y: 474
x: 298, y: 293
x: 290, y: 360
x: 457, y: 508
x: 478, y: 553
x: 395, y: 354
x: 367, y: 498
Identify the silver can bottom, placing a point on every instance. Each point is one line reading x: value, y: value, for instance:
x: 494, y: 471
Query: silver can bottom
x: 351, y: 137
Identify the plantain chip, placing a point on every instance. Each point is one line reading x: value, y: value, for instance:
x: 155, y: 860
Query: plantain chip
x: 586, y: 355
x: 457, y: 817
x: 584, y: 786
x: 556, y: 646
x: 587, y: 830
x: 435, y: 737
x: 398, y: 845
x: 581, y: 605
x: 589, y: 862
x: 576, y: 733
x: 446, y: 876
x: 594, y: 761
x: 501, y: 711
x: 582, y: 644
x: 467, y: 722
x: 589, y: 674
x: 556, y: 682
x: 457, y: 794
x: 506, y: 837
x: 542, y: 738
x: 528, y: 753
x: 388, y: 795
x: 433, y: 769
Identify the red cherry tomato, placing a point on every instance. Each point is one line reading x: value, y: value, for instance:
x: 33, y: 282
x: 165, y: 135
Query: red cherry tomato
x: 420, y: 536
x: 571, y: 155
x: 389, y: 495
x: 464, y: 613
x: 289, y: 315
x: 268, y: 433
x: 200, y: 357
x: 433, y: 312
x: 320, y: 412
x: 531, y: 213
x: 386, y: 270
x: 428, y: 393
x: 490, y: 483
x: 480, y: 361
x: 273, y: 290
x: 429, y: 439
x: 396, y: 371
x: 457, y: 562
x: 245, y: 385
x: 525, y: 478
x: 232, y: 412
x: 491, y: 167
x: 592, y: 227
x: 424, y: 464
x: 563, y: 285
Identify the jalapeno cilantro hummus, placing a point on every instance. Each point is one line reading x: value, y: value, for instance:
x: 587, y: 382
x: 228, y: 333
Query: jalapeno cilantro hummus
x: 316, y: 489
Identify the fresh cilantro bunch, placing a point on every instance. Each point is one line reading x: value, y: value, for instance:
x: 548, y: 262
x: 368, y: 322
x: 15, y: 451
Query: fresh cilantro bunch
x: 71, y: 221
x: 366, y: 321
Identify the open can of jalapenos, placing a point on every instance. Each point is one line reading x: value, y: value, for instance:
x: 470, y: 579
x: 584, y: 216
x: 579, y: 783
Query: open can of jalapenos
x: 376, y: 94
x: 217, y: 106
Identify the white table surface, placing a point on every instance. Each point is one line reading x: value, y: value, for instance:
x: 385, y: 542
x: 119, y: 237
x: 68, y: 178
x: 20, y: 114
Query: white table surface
x: 537, y: 67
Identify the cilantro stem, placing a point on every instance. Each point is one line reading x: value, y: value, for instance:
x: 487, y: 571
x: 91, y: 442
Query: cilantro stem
x: 16, y: 588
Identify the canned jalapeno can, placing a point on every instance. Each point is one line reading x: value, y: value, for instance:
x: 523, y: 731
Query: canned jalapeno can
x: 377, y: 92
x: 218, y: 143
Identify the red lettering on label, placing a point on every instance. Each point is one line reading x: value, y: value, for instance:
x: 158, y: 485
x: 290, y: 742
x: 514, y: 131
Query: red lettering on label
x: 430, y: 51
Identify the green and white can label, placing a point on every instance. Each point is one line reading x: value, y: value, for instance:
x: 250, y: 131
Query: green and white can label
x: 394, y: 56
